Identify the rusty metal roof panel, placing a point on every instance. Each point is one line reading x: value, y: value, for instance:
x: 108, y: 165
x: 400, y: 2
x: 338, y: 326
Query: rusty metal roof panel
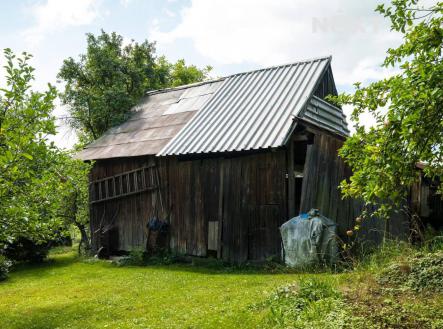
x: 250, y: 110
x: 122, y: 150
x: 154, y: 121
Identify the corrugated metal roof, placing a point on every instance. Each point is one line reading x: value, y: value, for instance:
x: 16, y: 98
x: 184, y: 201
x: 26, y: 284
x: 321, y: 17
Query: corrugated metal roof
x: 158, y: 117
x: 326, y: 116
x: 250, y: 110
x: 245, y: 111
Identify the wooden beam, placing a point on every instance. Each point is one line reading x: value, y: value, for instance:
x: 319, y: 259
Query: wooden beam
x: 122, y: 174
x: 290, y: 178
x: 151, y: 188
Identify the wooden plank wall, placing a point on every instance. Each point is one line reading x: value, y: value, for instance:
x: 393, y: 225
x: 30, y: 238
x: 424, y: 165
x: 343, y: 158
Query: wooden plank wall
x: 246, y: 195
x: 193, y: 194
x: 254, y: 206
x: 130, y: 214
x: 250, y: 206
x: 324, y: 170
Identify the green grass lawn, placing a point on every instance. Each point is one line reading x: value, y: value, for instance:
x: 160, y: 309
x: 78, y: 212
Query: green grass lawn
x: 68, y: 293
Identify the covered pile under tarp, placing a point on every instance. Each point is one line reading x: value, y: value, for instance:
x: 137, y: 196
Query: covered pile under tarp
x: 309, y: 240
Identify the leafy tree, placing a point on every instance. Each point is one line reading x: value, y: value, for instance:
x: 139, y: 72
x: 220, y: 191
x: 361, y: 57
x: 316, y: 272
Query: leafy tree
x: 27, y: 200
x: 74, y: 195
x: 407, y: 108
x: 180, y: 74
x: 42, y: 190
x: 102, y: 86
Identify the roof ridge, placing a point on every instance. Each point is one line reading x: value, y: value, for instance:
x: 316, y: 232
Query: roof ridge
x: 329, y: 57
x: 195, y: 84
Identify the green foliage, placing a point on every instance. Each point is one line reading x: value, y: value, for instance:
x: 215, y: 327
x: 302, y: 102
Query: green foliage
x: 407, y: 109
x: 26, y: 250
x: 111, y: 77
x: 398, y: 286
x: 74, y: 195
x: 136, y: 257
x: 37, y: 181
x: 423, y: 271
x: 181, y: 74
x: 28, y: 189
x: 312, y: 303
x: 5, y: 265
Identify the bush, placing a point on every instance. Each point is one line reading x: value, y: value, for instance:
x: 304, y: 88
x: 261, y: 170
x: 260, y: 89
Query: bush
x: 140, y: 257
x: 136, y: 257
x: 423, y: 271
x: 27, y: 251
x: 309, y: 304
x: 5, y: 265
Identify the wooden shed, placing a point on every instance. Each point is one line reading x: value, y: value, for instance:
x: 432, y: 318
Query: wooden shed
x: 225, y: 163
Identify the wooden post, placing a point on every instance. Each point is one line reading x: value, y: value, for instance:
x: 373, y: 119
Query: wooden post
x: 220, y: 212
x: 290, y: 178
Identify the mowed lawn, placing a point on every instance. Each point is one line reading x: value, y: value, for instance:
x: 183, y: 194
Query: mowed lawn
x: 69, y: 293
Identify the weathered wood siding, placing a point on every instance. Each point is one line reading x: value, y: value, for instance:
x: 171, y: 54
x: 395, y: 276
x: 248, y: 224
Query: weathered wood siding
x: 254, y: 205
x: 246, y: 195
x: 323, y: 172
x: 129, y: 214
x: 193, y: 194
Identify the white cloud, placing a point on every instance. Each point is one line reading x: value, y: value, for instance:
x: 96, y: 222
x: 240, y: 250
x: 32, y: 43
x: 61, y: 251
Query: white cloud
x: 169, y: 13
x: 54, y: 15
x: 125, y: 3
x: 268, y: 32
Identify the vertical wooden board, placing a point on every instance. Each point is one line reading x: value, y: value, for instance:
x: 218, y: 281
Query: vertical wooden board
x: 266, y: 191
x: 213, y: 235
x: 182, y: 206
x: 253, y: 219
x: 290, y: 178
x: 244, y: 208
x: 171, y: 205
x: 227, y: 216
x: 175, y: 216
x: 220, y: 206
x: 205, y: 179
x: 232, y: 210
x: 310, y: 174
x: 198, y: 240
x: 209, y: 206
x: 268, y: 214
x: 188, y: 214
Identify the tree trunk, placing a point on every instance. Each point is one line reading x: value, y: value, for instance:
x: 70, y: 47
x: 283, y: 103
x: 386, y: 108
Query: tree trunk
x: 84, y: 240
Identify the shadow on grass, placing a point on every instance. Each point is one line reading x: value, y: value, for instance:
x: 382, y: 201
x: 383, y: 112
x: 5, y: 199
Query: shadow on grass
x: 76, y: 314
x: 53, y: 262
x: 210, y: 266
x: 203, y: 266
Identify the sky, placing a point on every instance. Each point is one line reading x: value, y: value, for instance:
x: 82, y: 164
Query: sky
x: 230, y: 35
